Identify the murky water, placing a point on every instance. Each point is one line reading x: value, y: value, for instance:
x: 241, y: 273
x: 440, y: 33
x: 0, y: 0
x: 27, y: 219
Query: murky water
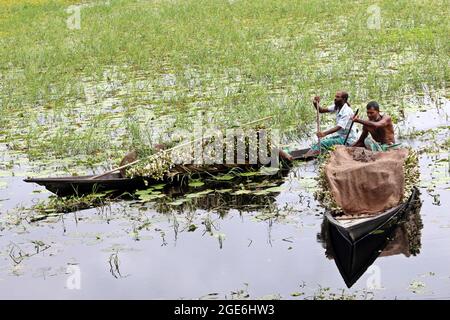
x: 129, y: 250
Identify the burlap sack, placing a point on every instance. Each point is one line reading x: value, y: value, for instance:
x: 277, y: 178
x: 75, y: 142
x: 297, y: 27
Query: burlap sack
x: 366, y: 182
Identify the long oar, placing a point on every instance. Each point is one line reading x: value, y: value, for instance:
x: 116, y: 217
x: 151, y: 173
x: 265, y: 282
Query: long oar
x: 176, y: 147
x: 350, y: 130
x: 318, y: 125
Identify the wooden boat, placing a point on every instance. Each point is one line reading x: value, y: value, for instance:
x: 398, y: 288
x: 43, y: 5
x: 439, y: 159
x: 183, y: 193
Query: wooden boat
x: 300, y: 155
x: 356, y: 243
x: 80, y: 185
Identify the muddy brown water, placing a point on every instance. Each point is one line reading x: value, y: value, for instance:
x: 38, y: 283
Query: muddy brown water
x: 101, y: 253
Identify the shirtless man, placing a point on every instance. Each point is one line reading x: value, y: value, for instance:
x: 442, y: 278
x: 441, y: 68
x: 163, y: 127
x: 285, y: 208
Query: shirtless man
x: 380, y: 128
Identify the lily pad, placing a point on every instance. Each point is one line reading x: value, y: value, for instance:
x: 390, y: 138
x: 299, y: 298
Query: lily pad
x: 199, y: 194
x: 268, y: 171
x: 249, y: 174
x: 226, y: 177
x: 150, y: 197
x: 177, y: 202
x: 144, y: 192
x: 196, y: 183
x: 159, y: 186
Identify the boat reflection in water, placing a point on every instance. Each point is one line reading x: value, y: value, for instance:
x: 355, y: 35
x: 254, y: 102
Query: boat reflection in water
x: 243, y: 195
x: 355, y: 253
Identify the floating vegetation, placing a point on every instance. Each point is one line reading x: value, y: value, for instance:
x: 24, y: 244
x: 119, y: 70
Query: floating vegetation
x: 323, y: 193
x: 245, y: 151
x: 411, y: 172
x: 55, y: 206
x: 156, y: 166
x: 418, y: 287
x: 326, y: 293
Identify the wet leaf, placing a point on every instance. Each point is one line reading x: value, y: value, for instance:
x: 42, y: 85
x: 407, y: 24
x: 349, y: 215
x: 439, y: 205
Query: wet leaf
x: 297, y: 294
x: 268, y: 171
x: 196, y: 183
x: 177, y: 202
x: 249, y: 174
x: 275, y: 189
x: 241, y: 192
x: 226, y: 177
x: 150, y: 197
x: 199, y: 194
x: 144, y: 192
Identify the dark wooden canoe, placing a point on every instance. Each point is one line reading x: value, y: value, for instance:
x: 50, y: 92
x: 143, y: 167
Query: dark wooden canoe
x: 355, y: 228
x: 300, y: 155
x: 357, y: 243
x: 81, y: 185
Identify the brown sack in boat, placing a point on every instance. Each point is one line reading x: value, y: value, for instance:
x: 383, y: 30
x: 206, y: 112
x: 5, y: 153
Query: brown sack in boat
x: 366, y: 182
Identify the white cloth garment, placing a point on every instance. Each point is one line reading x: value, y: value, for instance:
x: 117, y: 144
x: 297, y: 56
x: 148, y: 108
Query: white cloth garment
x: 344, y: 120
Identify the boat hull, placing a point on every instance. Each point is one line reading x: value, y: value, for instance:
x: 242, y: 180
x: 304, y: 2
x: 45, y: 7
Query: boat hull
x: 81, y: 185
x: 355, y: 248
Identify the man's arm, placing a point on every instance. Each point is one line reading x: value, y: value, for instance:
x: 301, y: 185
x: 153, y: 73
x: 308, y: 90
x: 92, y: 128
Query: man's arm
x: 322, y: 110
x: 316, y: 103
x: 327, y: 132
x: 373, y: 124
x: 360, y: 142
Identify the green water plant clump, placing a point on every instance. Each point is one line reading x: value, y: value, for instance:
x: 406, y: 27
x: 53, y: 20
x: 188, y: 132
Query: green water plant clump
x: 208, y: 155
x: 411, y: 172
x: 323, y: 193
x: 155, y: 166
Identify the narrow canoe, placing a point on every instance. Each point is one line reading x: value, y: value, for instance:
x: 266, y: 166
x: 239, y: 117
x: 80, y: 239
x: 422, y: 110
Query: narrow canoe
x: 80, y: 185
x: 356, y: 243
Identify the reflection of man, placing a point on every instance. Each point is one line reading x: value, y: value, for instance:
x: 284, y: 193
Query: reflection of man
x: 338, y: 133
x: 380, y: 128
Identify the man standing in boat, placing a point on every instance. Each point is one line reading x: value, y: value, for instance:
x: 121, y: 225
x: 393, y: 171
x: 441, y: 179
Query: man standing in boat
x: 337, y: 134
x: 380, y: 128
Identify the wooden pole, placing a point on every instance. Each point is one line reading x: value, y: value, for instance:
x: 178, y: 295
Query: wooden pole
x: 176, y: 147
x: 351, y: 125
x: 318, y: 124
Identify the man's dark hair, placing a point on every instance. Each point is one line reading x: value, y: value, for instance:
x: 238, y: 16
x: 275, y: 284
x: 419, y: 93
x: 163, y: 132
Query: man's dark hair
x: 345, y: 97
x: 373, y: 105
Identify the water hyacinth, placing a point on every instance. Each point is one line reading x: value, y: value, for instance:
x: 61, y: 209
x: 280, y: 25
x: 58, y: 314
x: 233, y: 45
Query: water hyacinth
x: 206, y: 155
x: 411, y: 171
x: 156, y: 166
x: 323, y: 193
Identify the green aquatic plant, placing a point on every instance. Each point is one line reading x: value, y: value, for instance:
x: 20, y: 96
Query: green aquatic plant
x: 165, y: 65
x: 213, y: 152
x: 55, y: 206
